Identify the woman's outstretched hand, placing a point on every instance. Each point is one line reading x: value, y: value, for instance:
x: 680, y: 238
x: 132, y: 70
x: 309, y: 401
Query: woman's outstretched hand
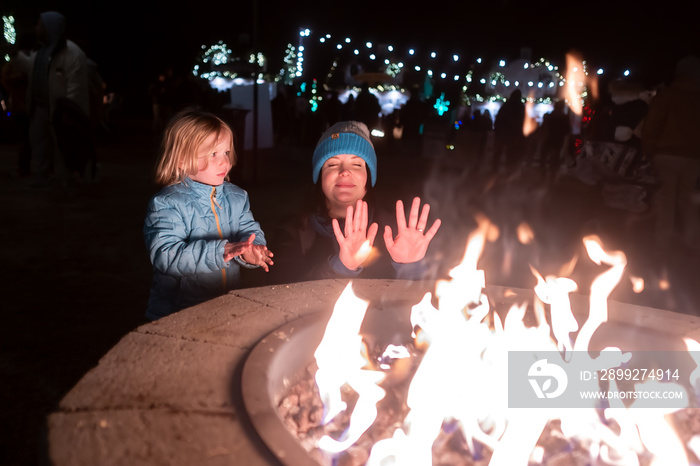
x: 412, y: 241
x: 357, y: 240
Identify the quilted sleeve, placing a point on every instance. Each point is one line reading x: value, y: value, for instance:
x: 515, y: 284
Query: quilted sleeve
x: 166, y: 233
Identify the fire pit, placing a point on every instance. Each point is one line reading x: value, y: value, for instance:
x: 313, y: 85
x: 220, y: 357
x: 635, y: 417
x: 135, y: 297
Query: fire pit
x: 299, y: 351
x: 170, y: 392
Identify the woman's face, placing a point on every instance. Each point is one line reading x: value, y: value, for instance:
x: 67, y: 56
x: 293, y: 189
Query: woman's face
x: 343, y: 180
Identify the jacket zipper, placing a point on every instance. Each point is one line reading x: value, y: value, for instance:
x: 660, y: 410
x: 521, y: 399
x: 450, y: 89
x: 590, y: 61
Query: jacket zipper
x: 218, y: 228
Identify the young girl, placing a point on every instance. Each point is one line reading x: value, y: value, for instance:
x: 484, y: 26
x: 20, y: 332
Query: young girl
x: 199, y: 228
x: 336, y: 235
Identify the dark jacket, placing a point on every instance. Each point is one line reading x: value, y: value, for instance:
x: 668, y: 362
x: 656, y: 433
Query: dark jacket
x: 673, y: 119
x: 306, y: 249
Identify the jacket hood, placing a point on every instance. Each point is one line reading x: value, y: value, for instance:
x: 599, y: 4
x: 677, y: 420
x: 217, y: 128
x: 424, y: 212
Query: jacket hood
x: 55, y: 25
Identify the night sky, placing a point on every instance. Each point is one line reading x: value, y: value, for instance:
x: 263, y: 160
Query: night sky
x: 131, y: 43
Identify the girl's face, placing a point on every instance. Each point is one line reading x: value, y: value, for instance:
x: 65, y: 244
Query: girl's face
x: 215, y: 156
x: 343, y: 180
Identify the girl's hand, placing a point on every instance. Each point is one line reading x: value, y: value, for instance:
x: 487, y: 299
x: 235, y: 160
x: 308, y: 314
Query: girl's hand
x: 356, y: 242
x: 259, y: 255
x: 412, y: 240
x: 232, y: 250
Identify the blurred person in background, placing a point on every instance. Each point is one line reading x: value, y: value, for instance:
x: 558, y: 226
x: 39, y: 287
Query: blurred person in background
x: 56, y: 70
x: 669, y: 140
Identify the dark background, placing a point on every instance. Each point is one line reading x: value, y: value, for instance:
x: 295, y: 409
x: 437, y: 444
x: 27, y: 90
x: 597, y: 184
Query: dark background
x: 133, y: 40
x: 73, y: 268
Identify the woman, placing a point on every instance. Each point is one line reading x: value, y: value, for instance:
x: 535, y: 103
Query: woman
x: 335, y: 235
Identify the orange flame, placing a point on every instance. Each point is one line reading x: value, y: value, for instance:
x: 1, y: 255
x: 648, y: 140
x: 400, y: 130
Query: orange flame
x: 340, y: 360
x: 525, y: 234
x: 529, y: 123
x: 637, y: 284
x: 575, y: 82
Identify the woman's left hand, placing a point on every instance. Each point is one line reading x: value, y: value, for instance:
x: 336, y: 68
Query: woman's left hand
x: 412, y: 241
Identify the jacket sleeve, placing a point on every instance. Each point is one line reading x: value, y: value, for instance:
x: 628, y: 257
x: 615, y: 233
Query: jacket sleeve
x: 77, y: 79
x: 166, y: 237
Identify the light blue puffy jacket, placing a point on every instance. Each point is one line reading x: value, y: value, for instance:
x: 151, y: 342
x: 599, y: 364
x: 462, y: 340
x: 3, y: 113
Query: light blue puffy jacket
x: 187, y: 225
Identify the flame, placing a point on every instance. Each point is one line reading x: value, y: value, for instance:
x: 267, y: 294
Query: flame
x: 694, y: 348
x: 367, y: 254
x: 525, y: 234
x: 529, y: 124
x: 462, y: 376
x: 365, y: 249
x: 340, y: 360
x: 637, y: 284
x: 601, y: 288
x: 555, y: 292
x: 575, y: 82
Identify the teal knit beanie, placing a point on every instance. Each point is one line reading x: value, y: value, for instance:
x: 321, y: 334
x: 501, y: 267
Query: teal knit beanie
x: 346, y: 137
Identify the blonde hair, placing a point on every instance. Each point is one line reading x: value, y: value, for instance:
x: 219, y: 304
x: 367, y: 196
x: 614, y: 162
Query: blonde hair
x: 182, y: 140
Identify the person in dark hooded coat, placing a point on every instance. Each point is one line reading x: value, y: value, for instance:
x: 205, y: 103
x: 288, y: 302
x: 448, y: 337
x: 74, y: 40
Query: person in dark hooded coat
x: 57, y: 70
x: 508, y: 133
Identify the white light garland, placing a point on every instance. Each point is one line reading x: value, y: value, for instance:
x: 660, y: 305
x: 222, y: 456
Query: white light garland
x: 539, y: 80
x: 8, y: 29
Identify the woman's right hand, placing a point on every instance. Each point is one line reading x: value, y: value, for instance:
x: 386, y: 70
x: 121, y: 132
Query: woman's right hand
x: 357, y: 240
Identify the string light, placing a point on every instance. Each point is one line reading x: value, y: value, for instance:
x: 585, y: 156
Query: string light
x: 441, y: 104
x: 540, y: 79
x: 8, y: 29
x: 290, y: 70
